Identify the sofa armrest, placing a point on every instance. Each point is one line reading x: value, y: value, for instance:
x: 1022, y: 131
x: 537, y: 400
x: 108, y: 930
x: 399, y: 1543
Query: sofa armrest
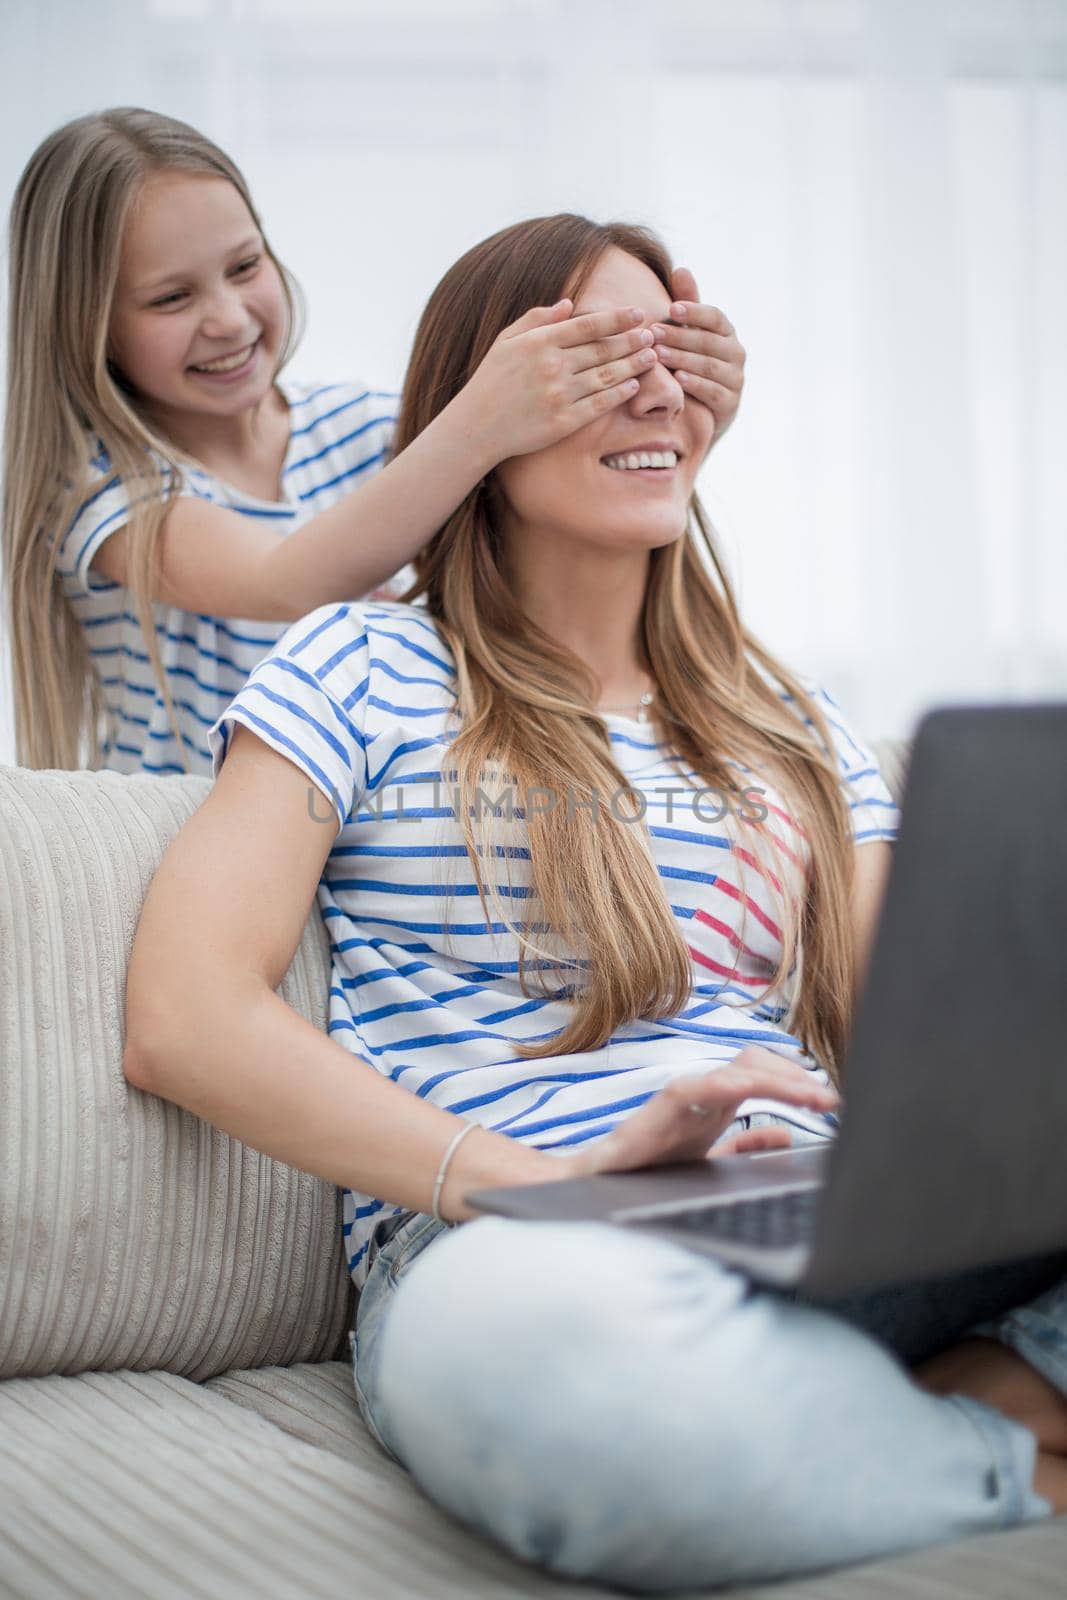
x: 131, y: 1233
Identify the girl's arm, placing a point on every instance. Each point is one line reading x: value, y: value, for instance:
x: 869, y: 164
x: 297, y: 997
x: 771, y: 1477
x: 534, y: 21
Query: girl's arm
x: 545, y: 376
x: 204, y: 1027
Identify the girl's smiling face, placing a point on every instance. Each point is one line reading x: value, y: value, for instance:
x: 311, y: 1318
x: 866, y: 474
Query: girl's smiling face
x: 196, y: 287
x: 588, y: 487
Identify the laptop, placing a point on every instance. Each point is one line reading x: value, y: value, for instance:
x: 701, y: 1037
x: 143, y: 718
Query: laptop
x: 952, y: 1153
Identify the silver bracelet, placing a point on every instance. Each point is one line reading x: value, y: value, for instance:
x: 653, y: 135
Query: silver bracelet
x: 457, y: 1140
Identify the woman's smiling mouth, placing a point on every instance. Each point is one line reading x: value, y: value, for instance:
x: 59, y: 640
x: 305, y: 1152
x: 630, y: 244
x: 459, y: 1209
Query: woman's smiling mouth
x: 653, y: 462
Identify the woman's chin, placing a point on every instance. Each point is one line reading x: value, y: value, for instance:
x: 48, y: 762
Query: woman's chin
x: 620, y: 546
x: 652, y: 533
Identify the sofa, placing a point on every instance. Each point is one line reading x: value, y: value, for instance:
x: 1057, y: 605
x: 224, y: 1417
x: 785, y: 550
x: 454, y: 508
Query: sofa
x: 177, y: 1414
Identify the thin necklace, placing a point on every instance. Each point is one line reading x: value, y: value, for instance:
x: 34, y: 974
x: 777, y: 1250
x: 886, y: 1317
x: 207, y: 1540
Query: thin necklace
x: 640, y: 706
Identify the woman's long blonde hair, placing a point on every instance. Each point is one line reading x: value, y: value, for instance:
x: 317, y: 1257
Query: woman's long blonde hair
x: 67, y: 223
x: 527, y: 714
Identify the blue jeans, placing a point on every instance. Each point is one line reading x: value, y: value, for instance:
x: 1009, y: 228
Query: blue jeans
x: 610, y: 1406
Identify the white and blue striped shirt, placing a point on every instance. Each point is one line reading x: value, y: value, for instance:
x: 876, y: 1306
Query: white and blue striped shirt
x: 339, y: 435
x: 361, y: 698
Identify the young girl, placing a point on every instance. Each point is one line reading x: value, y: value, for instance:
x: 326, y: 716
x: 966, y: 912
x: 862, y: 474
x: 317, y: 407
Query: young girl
x: 600, y: 976
x: 171, y: 503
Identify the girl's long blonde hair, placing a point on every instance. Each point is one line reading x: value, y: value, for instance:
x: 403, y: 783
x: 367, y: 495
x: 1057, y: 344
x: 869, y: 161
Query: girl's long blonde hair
x: 67, y: 223
x: 527, y: 714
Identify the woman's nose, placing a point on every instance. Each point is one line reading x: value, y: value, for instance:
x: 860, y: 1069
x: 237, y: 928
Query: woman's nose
x: 658, y: 390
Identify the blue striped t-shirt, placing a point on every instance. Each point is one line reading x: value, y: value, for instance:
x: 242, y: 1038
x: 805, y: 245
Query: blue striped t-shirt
x: 361, y: 698
x: 339, y: 434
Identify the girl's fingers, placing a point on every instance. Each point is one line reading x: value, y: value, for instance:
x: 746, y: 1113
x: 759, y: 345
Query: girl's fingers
x: 594, y: 327
x: 699, y: 341
x: 708, y: 364
x: 693, y: 314
x: 539, y: 317
x: 600, y: 401
x: 725, y: 373
x: 684, y: 285
x: 590, y: 357
x: 715, y: 396
x: 556, y: 371
x: 595, y: 379
x: 691, y: 337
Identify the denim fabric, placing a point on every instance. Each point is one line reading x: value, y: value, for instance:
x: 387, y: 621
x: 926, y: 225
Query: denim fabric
x: 395, y: 1244
x: 609, y: 1406
x: 1036, y: 1331
x: 612, y: 1407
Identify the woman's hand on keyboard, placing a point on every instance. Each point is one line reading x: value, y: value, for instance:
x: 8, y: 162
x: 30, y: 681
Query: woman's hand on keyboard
x: 683, y: 1121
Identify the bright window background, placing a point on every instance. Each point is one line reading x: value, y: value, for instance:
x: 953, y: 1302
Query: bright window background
x: 874, y: 190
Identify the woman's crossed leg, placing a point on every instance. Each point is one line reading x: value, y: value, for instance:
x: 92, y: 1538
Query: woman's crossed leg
x: 613, y: 1407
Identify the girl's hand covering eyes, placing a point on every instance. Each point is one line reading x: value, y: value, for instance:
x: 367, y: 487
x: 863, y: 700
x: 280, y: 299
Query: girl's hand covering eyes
x: 704, y: 353
x: 551, y: 372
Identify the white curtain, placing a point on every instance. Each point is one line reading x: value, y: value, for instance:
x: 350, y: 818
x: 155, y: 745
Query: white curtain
x: 873, y: 190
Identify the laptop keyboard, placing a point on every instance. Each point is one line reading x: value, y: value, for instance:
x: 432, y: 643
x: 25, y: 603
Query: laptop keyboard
x: 770, y: 1222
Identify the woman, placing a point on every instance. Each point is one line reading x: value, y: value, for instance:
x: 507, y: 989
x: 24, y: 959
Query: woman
x: 600, y: 877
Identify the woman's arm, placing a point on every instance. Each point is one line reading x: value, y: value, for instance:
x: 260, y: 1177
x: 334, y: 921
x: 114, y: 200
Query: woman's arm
x: 868, y: 892
x: 204, y: 1028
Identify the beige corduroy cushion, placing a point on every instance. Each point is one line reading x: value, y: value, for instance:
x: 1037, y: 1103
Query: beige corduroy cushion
x: 143, y: 1486
x: 131, y: 1233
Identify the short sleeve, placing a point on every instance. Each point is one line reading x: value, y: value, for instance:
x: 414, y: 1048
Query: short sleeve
x: 306, y: 699
x: 103, y: 512
x: 871, y: 807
